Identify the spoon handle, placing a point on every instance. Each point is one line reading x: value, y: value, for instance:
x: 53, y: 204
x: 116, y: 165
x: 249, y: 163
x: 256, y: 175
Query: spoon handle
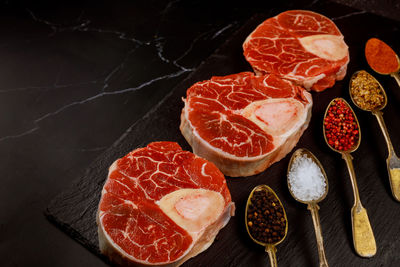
x: 318, y: 234
x: 392, y: 161
x: 396, y: 76
x: 348, y: 158
x: 271, y: 249
x: 393, y: 164
x: 379, y: 117
x: 363, y: 236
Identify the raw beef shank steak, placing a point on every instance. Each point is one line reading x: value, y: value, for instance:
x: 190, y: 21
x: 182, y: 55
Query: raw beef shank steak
x: 302, y: 46
x: 160, y: 206
x: 244, y: 123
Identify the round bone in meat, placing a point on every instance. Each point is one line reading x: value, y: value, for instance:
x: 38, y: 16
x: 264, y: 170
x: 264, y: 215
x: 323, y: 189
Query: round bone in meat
x: 160, y: 206
x: 244, y: 123
x: 302, y: 46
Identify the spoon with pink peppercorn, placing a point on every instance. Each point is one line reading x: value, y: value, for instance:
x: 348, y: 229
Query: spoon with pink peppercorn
x: 342, y: 134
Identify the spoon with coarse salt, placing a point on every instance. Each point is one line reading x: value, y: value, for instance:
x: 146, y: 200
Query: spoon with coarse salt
x: 308, y: 184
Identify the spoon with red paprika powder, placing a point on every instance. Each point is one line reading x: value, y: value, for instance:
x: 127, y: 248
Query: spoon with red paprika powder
x: 382, y: 59
x: 368, y: 94
x: 342, y: 134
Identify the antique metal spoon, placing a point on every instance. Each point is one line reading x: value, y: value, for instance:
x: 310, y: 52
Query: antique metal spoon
x: 270, y: 248
x: 394, y: 74
x: 313, y: 204
x: 392, y: 161
x: 363, y: 236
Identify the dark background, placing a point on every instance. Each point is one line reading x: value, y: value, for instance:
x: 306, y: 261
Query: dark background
x: 74, y: 77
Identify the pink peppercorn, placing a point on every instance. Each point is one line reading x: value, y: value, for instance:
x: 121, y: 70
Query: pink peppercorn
x: 341, y: 129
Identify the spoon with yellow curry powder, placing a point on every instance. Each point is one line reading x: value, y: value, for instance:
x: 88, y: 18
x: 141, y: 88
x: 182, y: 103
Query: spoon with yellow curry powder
x: 382, y: 59
x: 266, y: 221
x: 342, y: 134
x: 368, y: 94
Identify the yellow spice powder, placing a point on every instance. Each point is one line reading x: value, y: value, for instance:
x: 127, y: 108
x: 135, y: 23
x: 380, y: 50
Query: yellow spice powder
x: 364, y: 240
x: 395, y: 173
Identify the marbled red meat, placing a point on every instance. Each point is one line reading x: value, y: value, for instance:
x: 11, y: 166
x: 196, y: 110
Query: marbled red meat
x: 161, y: 205
x: 302, y: 46
x: 243, y: 123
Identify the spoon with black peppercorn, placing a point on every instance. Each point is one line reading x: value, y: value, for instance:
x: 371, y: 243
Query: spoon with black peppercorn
x: 266, y: 221
x: 309, y: 187
x: 343, y: 135
x: 368, y: 95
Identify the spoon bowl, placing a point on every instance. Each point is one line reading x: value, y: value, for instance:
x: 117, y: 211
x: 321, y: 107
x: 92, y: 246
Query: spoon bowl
x: 301, y: 152
x: 389, y: 73
x: 355, y: 146
x: 269, y: 247
x: 267, y: 189
x: 379, y: 49
x: 380, y: 87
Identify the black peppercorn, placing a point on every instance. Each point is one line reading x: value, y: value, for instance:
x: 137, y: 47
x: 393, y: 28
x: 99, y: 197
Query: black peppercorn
x: 265, y: 217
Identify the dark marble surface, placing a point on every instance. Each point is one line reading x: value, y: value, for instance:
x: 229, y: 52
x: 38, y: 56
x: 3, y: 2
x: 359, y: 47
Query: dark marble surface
x: 386, y: 8
x: 73, y: 78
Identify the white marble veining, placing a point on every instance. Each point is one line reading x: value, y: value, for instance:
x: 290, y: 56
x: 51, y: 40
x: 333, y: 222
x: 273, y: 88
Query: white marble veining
x: 84, y: 25
x: 352, y: 14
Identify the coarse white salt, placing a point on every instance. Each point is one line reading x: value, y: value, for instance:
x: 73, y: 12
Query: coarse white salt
x: 306, y: 179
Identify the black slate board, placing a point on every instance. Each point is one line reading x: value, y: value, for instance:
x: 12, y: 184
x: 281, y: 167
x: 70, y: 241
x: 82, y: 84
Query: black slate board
x: 74, y: 210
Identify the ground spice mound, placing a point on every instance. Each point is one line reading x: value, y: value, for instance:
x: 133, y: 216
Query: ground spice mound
x: 381, y: 57
x: 341, y: 129
x: 366, y: 92
x: 265, y: 218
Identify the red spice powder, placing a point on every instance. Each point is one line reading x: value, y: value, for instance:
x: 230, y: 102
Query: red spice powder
x: 380, y: 57
x: 341, y: 129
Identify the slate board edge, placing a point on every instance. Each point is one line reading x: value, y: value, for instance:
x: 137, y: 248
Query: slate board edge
x: 54, y: 202
x: 70, y: 231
